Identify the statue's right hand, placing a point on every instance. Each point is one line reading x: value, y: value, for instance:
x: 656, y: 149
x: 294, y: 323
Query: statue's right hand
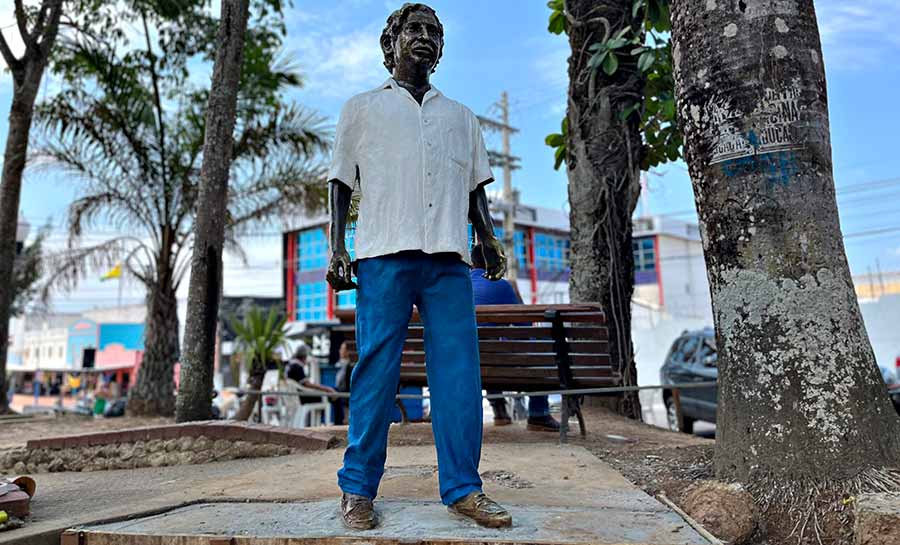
x: 339, y: 274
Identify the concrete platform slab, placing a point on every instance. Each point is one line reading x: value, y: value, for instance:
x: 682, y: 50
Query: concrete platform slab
x: 403, y: 521
x: 531, y: 477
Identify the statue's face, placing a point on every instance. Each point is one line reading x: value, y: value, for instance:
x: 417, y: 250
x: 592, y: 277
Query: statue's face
x: 419, y: 42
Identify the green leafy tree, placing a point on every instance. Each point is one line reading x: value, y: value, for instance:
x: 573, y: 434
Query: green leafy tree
x: 27, y: 270
x: 258, y: 339
x: 620, y: 119
x: 646, y: 43
x: 128, y: 128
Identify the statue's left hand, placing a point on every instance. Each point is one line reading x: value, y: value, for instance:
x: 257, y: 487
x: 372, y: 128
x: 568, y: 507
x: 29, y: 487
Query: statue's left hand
x: 494, y: 259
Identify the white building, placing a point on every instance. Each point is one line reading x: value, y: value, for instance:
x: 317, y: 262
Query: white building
x: 45, y: 341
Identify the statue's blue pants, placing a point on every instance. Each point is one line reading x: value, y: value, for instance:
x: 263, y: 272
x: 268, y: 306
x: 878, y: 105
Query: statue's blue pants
x: 441, y: 288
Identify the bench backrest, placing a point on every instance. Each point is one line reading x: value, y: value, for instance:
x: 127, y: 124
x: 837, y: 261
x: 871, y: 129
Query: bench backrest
x: 520, y: 348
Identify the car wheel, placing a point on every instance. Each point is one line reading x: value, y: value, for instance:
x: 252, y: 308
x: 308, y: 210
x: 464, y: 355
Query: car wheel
x: 684, y: 424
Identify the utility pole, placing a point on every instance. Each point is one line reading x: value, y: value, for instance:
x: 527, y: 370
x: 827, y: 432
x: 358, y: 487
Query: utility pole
x: 508, y: 162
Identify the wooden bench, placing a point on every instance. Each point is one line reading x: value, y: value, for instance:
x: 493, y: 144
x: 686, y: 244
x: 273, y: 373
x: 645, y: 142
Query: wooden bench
x: 524, y: 348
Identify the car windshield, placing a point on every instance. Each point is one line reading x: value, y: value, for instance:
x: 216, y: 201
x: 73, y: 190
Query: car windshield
x: 707, y: 349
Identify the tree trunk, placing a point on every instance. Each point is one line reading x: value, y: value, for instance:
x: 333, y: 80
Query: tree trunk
x: 800, y: 396
x: 27, y: 73
x: 603, y: 164
x: 254, y: 384
x: 196, y: 384
x: 154, y: 392
x: 20, y: 116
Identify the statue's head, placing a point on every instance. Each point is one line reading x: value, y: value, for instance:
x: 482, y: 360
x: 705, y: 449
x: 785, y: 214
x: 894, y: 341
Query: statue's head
x: 413, y: 34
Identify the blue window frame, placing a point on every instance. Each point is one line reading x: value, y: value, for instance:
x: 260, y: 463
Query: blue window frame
x: 644, y: 254
x: 312, y: 254
x: 312, y: 301
x: 551, y: 252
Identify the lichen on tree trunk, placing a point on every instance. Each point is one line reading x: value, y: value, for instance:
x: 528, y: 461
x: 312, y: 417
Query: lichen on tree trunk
x: 603, y: 162
x: 800, y: 396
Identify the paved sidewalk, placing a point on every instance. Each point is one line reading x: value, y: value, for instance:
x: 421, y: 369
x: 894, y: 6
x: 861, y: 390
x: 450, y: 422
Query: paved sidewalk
x: 558, y: 494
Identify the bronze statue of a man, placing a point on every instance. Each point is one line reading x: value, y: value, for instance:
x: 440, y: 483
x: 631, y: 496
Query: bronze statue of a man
x: 418, y: 161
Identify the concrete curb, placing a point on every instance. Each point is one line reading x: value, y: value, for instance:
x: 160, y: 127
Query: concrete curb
x: 303, y: 439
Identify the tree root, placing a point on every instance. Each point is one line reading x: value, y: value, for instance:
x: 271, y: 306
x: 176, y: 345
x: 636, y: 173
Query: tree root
x: 809, y: 512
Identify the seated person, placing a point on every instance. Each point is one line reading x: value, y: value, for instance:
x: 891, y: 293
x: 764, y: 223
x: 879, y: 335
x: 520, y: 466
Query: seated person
x: 502, y: 292
x: 295, y: 372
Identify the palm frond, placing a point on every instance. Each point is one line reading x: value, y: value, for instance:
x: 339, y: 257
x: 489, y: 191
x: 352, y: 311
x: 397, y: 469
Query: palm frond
x: 286, y: 129
x: 259, y: 336
x: 277, y: 189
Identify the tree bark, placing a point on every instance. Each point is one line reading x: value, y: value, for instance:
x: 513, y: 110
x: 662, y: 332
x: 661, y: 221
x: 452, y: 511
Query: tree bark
x: 196, y: 384
x: 603, y: 163
x: 27, y: 74
x: 154, y: 392
x: 800, y: 395
x: 254, y: 383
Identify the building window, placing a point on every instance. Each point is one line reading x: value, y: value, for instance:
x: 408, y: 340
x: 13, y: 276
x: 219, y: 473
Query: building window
x: 312, y: 251
x: 312, y: 301
x: 346, y: 299
x: 519, y: 240
x: 551, y: 253
x: 644, y: 254
x: 350, y: 240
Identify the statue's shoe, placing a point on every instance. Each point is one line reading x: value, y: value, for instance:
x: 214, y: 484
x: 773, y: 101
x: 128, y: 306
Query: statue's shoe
x: 358, y: 512
x: 483, y: 510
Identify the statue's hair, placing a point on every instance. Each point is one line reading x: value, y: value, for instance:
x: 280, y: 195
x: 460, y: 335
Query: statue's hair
x: 395, y: 24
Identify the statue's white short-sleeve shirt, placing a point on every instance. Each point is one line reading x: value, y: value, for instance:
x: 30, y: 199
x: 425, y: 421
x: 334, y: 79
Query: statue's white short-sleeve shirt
x: 414, y: 167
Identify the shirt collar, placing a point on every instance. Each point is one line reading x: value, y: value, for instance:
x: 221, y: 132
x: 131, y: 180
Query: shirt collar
x: 392, y: 84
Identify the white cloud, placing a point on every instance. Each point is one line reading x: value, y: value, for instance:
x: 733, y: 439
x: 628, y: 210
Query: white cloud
x: 335, y: 64
x: 862, y: 35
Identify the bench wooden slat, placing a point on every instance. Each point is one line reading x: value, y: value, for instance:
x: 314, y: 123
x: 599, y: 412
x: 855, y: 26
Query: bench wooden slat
x: 515, y: 360
x: 522, y: 384
x: 505, y: 332
x: 578, y: 372
x: 513, y: 313
x: 506, y: 346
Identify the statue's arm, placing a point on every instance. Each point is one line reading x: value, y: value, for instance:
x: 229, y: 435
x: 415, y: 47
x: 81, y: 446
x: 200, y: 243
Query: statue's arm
x: 339, y: 274
x: 480, y: 216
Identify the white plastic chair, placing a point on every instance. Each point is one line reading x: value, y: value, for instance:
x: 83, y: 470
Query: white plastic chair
x: 296, y: 412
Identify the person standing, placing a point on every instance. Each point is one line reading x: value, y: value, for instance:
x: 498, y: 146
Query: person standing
x: 419, y: 163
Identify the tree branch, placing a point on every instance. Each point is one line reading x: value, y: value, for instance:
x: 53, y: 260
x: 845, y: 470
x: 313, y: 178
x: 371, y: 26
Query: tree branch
x: 22, y: 22
x: 161, y: 134
x: 48, y: 33
x: 15, y: 65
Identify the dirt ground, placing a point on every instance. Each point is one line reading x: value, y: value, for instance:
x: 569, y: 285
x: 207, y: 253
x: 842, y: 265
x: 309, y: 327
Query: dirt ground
x: 17, y: 433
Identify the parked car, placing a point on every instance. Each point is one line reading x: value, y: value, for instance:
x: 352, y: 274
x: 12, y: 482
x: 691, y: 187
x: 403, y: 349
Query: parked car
x: 693, y: 358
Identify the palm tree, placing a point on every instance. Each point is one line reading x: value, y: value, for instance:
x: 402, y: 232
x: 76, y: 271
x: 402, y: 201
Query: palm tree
x: 258, y: 338
x: 128, y: 128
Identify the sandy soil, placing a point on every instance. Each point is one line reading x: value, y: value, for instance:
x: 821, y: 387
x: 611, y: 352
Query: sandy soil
x: 16, y: 433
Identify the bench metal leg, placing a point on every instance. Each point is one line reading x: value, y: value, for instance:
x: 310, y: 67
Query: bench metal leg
x: 404, y: 418
x: 564, y: 421
x: 576, y: 402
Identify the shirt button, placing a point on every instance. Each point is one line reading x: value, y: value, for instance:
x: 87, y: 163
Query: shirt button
x: 429, y: 205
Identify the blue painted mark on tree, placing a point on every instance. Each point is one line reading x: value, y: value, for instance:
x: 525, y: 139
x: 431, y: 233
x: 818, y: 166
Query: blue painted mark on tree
x: 777, y: 166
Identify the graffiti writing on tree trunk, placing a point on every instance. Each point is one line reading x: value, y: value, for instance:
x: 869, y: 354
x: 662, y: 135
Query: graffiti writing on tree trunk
x: 762, y: 142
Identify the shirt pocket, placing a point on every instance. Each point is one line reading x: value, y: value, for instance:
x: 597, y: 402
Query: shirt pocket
x: 461, y: 169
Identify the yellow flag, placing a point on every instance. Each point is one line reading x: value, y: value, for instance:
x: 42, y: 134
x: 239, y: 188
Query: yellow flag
x: 115, y: 272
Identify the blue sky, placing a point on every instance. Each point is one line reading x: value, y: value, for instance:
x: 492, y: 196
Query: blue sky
x: 503, y: 45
